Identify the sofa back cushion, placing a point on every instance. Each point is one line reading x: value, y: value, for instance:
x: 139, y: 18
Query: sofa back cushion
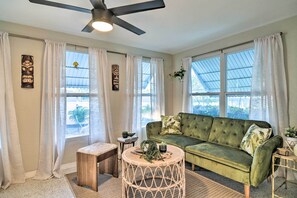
x: 229, y: 132
x: 196, y: 126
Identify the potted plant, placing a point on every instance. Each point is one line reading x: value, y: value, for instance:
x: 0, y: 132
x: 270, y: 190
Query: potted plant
x: 150, y: 151
x: 291, y: 138
x: 291, y: 132
x: 178, y: 74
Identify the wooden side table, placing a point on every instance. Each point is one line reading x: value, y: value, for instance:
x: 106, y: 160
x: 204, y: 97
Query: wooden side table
x: 87, y: 159
x: 128, y: 140
x: 287, y: 162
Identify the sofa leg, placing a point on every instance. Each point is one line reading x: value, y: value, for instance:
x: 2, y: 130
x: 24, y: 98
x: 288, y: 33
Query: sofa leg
x: 247, y: 190
x: 193, y: 167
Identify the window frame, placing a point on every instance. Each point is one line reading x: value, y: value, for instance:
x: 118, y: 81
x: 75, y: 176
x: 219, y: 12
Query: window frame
x: 223, y: 94
x: 82, y: 51
x: 150, y: 94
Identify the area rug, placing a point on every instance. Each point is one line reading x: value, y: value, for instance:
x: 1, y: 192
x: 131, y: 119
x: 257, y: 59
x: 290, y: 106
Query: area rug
x: 196, y: 186
x: 51, y: 188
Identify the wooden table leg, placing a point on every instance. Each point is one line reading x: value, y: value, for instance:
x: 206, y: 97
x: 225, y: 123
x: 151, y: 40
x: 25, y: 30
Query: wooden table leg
x: 286, y: 173
x: 87, y: 170
x: 115, y: 167
x: 122, y: 147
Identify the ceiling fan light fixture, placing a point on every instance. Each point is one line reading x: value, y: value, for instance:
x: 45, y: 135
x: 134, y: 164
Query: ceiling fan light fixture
x: 102, y: 26
x: 102, y: 20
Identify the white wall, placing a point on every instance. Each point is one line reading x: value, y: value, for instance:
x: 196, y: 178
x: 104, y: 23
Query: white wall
x: 287, y: 26
x: 27, y: 101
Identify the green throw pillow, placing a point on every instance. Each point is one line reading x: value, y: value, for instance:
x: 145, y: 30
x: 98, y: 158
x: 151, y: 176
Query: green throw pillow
x: 171, y: 125
x: 254, y: 137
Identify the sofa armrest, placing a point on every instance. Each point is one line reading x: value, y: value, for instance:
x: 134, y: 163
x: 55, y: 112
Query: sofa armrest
x: 153, y: 128
x: 261, y: 165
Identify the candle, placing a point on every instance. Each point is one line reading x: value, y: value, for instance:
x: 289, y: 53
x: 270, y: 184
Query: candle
x: 163, y: 147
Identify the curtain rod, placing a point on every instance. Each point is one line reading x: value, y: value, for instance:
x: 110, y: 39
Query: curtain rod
x: 231, y: 46
x: 82, y: 46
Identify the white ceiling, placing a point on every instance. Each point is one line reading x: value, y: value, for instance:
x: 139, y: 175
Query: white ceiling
x: 181, y: 25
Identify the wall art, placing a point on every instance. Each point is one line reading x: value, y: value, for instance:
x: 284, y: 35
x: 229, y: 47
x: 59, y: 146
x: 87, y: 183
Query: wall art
x: 27, y: 71
x: 115, y: 77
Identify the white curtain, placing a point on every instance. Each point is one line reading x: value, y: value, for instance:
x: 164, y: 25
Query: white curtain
x: 135, y: 84
x: 269, y: 99
x: 134, y: 93
x: 187, y: 86
x: 100, y: 114
x: 53, y: 111
x: 158, y: 101
x: 11, y: 163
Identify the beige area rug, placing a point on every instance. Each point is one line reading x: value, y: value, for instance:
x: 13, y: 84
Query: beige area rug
x: 196, y: 186
x: 51, y: 188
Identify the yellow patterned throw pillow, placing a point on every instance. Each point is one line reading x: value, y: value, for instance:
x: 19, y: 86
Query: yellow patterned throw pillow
x: 254, y: 137
x: 171, y: 125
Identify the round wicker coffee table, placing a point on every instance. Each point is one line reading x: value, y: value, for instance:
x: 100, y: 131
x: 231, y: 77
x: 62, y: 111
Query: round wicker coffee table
x: 141, y: 178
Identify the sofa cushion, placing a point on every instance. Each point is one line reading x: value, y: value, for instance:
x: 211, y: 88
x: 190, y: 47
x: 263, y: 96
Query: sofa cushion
x: 229, y: 132
x: 197, y: 126
x: 254, y: 137
x: 222, y: 154
x: 171, y: 125
x: 176, y: 140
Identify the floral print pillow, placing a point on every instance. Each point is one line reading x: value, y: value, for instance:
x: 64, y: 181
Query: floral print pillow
x: 254, y: 137
x: 171, y: 125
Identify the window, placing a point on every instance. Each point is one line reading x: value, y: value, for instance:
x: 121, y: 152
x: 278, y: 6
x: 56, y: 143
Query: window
x: 147, y: 85
x: 77, y: 92
x: 221, y: 83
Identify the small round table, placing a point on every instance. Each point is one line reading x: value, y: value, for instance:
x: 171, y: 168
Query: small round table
x: 164, y: 178
x: 128, y: 140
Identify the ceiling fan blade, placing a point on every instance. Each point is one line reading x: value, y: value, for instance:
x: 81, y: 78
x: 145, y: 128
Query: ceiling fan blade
x: 61, y: 5
x: 138, y: 7
x: 127, y: 25
x: 98, y: 4
x: 88, y: 28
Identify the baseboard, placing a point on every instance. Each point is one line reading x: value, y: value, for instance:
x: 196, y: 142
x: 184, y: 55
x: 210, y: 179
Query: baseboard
x: 30, y: 174
x: 69, y: 168
x: 65, y: 168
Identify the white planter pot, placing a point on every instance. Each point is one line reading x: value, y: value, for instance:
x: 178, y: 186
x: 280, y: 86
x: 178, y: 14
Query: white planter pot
x: 291, y: 144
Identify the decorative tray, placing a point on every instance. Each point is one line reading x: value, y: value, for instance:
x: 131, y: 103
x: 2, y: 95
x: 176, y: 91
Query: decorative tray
x: 139, y: 151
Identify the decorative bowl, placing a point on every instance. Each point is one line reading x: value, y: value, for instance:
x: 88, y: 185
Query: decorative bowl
x: 131, y: 134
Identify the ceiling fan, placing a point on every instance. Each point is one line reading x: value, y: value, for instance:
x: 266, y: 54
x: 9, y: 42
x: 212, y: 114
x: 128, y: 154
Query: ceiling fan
x: 103, y: 18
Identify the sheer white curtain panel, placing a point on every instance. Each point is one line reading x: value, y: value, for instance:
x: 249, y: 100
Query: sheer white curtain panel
x: 134, y: 95
x: 100, y: 114
x: 269, y: 98
x: 53, y: 111
x: 158, y: 92
x: 187, y: 86
x: 11, y: 163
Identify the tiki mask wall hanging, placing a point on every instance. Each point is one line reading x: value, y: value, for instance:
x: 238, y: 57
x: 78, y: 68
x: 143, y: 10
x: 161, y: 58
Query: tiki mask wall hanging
x: 27, y: 71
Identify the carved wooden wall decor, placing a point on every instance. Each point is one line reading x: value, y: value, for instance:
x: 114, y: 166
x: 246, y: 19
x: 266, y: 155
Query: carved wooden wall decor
x: 115, y: 77
x: 27, y: 71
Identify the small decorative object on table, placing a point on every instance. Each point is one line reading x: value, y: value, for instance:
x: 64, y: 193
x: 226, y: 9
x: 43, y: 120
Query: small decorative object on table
x: 163, y: 147
x: 150, y: 150
x: 291, y: 139
x: 125, y: 134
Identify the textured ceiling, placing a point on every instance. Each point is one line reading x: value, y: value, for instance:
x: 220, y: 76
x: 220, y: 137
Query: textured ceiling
x: 182, y: 25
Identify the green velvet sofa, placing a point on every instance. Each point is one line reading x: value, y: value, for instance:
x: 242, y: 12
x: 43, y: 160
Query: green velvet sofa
x: 213, y: 143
